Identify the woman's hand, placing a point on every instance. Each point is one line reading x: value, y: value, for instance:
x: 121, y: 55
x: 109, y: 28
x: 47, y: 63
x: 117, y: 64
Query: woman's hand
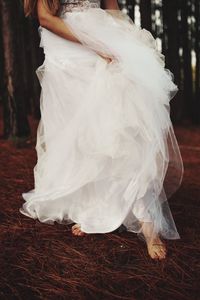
x: 109, y: 59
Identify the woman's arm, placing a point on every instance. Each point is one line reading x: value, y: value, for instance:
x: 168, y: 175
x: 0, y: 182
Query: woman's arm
x: 54, y: 23
x: 111, y: 4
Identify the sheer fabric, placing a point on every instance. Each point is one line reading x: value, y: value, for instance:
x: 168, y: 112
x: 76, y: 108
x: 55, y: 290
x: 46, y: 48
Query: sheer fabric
x: 107, y: 152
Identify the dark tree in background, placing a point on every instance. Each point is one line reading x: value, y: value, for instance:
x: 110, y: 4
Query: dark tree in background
x: 170, y: 47
x: 33, y: 59
x: 175, y: 23
x: 186, y: 46
x: 14, y: 101
x: 2, y: 88
x: 145, y: 8
x: 131, y: 5
x: 197, y: 70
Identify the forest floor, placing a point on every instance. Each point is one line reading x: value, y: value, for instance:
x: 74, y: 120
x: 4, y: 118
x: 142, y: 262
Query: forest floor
x: 41, y: 261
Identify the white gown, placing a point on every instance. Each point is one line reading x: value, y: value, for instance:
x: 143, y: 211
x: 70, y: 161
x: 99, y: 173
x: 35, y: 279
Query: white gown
x: 107, y: 153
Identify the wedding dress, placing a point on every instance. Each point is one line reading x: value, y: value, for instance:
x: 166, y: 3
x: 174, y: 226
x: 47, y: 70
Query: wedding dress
x: 107, y: 152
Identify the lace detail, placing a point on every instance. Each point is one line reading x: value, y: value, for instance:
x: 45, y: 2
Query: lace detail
x: 77, y: 5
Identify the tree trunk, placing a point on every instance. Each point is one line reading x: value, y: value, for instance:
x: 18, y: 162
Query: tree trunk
x: 2, y: 77
x: 187, y: 61
x: 197, y: 71
x: 131, y: 9
x: 16, y: 114
x: 145, y: 9
x: 1, y: 64
x: 33, y: 61
x: 171, y: 52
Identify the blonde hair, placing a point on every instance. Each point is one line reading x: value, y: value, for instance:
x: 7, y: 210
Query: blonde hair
x: 30, y: 6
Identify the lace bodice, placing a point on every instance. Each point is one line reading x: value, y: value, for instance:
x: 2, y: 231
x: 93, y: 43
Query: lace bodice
x: 74, y: 5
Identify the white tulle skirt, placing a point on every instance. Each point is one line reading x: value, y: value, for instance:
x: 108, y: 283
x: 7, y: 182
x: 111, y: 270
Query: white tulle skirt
x: 107, y: 153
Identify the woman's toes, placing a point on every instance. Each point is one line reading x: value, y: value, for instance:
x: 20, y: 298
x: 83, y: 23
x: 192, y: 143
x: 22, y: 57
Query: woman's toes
x: 163, y: 251
x: 76, y: 230
x: 154, y: 256
x: 157, y: 251
x: 76, y: 226
x: 161, y: 254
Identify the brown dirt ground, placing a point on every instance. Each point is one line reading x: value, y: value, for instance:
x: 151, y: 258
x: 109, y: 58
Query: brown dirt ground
x: 41, y: 261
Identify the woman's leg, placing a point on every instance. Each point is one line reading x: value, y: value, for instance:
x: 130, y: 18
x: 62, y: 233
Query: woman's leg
x: 156, y: 248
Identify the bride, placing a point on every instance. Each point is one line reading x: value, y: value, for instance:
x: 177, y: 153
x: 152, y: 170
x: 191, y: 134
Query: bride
x: 107, y: 153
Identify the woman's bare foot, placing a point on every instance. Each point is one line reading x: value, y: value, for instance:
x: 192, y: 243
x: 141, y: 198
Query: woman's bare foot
x: 156, y: 248
x: 76, y: 230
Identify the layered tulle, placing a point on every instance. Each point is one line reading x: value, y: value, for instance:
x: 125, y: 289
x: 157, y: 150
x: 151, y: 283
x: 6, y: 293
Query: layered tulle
x: 107, y: 153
